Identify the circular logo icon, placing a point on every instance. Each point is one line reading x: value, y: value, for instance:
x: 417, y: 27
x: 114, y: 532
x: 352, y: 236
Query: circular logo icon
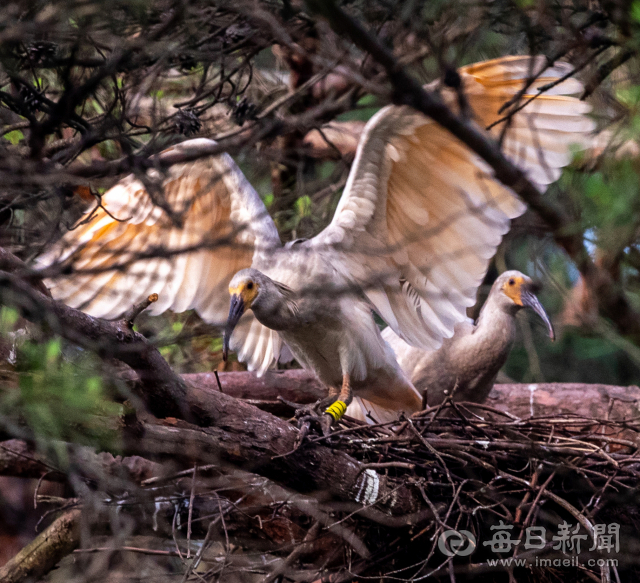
x: 457, y: 542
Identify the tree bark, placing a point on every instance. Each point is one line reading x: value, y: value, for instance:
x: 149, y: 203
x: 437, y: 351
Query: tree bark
x: 585, y: 400
x: 522, y: 400
x: 19, y: 459
x: 45, y: 551
x: 240, y: 434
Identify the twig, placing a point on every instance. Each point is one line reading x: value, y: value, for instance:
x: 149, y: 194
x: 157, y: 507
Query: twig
x: 193, y: 489
x: 130, y: 316
x: 215, y: 372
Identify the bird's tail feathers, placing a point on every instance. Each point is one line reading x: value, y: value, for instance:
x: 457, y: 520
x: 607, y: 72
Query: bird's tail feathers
x: 371, y: 413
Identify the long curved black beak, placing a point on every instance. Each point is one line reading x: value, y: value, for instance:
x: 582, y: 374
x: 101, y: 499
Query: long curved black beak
x: 530, y: 300
x: 236, y: 309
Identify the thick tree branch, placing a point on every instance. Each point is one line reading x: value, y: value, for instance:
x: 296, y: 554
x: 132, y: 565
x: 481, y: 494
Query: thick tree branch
x: 522, y: 400
x: 107, y: 339
x: 45, y: 551
x: 243, y: 435
x: 12, y: 264
x: 19, y: 459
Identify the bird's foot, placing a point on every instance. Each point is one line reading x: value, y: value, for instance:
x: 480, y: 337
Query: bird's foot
x: 325, y: 424
x: 308, y: 410
x: 312, y: 410
x: 305, y: 423
x: 315, y: 414
x: 325, y: 419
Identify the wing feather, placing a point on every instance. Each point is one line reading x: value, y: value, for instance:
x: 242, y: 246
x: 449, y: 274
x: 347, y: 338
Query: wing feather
x: 129, y: 247
x: 421, y: 215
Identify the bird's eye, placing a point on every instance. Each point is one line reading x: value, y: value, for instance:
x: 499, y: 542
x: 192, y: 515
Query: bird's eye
x: 250, y: 285
x: 512, y: 281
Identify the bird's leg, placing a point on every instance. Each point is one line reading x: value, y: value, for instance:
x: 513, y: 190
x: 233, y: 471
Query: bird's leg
x: 334, y: 392
x: 328, y: 400
x: 338, y: 402
x: 306, y: 414
x: 314, y: 408
x: 336, y: 411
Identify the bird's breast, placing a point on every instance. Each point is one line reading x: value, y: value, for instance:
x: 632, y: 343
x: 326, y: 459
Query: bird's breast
x: 315, y: 347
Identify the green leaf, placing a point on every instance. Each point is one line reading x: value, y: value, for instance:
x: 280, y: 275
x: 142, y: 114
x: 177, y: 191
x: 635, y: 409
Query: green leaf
x: 303, y: 206
x: 58, y: 397
x: 14, y: 137
x: 8, y: 317
x: 628, y: 96
x: 53, y: 351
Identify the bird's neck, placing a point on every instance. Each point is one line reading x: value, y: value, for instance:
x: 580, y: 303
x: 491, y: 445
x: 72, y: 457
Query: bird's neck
x: 496, y: 325
x: 280, y: 314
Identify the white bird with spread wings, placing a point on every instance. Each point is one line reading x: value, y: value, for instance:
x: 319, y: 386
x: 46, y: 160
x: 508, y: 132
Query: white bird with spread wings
x: 411, y: 239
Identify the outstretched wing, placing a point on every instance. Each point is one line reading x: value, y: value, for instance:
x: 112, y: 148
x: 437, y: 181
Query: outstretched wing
x: 422, y: 215
x: 539, y: 137
x: 128, y: 247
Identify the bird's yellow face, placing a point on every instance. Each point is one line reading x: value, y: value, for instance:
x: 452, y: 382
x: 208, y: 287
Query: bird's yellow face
x: 242, y: 297
x: 521, y: 291
x: 247, y: 291
x: 512, y: 288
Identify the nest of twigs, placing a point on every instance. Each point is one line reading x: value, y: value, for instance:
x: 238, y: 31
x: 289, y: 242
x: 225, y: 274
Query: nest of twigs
x: 566, y: 487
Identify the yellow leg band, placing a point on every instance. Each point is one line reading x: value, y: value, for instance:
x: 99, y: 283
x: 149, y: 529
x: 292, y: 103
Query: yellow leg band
x: 337, y: 410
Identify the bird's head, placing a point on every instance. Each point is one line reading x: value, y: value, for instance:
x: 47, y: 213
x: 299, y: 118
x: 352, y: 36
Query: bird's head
x: 518, y: 291
x: 244, y: 289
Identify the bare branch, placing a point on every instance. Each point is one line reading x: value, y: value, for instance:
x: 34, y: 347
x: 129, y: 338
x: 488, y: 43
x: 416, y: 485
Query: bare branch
x: 46, y: 551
